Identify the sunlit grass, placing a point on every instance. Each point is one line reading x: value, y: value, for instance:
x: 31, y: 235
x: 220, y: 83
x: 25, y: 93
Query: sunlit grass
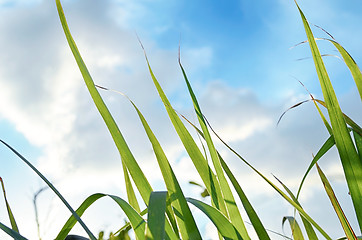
x: 167, y: 214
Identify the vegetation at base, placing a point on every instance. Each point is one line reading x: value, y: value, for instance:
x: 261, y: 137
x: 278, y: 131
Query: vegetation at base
x: 167, y: 214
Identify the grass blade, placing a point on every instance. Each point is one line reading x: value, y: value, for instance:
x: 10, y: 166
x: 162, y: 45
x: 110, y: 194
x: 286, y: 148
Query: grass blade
x: 253, y: 217
x: 232, y: 212
x: 351, y: 64
x: 11, y: 232
x: 14, y: 226
x: 337, y: 208
x: 156, y: 216
x: 351, y: 163
x: 308, y: 227
x: 201, y: 165
x: 91, y: 236
x: 297, y: 233
x: 130, y: 192
x: 136, y: 220
x: 128, y: 159
x: 223, y: 225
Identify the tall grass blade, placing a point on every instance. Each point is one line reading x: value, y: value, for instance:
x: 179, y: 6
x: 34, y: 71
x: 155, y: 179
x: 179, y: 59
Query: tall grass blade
x: 297, y: 233
x: 91, y: 236
x: 156, y: 216
x: 358, y: 141
x: 128, y: 159
x: 232, y: 212
x: 351, y: 163
x: 337, y: 208
x: 289, y: 200
x: 323, y: 150
x: 201, y: 165
x: 253, y: 217
x: 223, y: 225
x: 11, y: 232
x: 308, y: 227
x: 130, y: 191
x: 183, y: 214
x: 351, y: 64
x: 14, y: 226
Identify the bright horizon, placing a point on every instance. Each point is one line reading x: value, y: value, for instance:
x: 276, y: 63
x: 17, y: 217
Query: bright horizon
x: 240, y: 60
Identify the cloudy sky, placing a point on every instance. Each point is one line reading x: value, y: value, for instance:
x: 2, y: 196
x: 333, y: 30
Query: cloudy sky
x: 239, y: 60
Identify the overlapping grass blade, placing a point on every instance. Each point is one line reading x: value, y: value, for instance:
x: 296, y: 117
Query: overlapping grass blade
x: 351, y: 64
x: 201, y: 165
x: 308, y: 227
x: 223, y: 225
x: 156, y: 216
x: 136, y: 220
x: 351, y: 163
x: 297, y: 233
x: 323, y: 150
x: 253, y: 217
x: 130, y: 191
x: 91, y: 236
x: 358, y: 141
x: 185, y: 220
x: 11, y: 232
x: 127, y: 157
x: 337, y: 208
x: 232, y: 212
x: 296, y: 206
x: 14, y: 226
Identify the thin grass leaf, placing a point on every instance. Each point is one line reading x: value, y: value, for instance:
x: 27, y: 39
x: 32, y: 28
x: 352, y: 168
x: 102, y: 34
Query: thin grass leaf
x: 297, y: 233
x: 91, y: 236
x: 127, y: 157
x: 232, y: 212
x: 253, y: 217
x: 308, y: 227
x: 296, y: 206
x: 323, y: 150
x: 130, y: 191
x: 223, y: 225
x: 351, y: 64
x: 351, y: 163
x: 156, y: 216
x: 337, y: 207
x: 11, y: 232
x: 204, y: 170
x: 358, y: 141
x: 183, y: 214
x: 136, y: 220
x: 14, y: 226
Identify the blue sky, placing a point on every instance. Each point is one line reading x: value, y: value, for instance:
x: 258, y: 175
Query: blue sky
x: 238, y: 58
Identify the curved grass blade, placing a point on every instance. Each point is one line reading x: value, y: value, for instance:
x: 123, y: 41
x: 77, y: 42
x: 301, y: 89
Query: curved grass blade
x: 11, y: 232
x: 297, y: 233
x: 137, y: 222
x: 127, y: 157
x: 130, y: 192
x: 232, y: 212
x: 351, y: 163
x: 296, y: 206
x: 185, y: 220
x: 323, y: 150
x: 91, y: 236
x: 253, y: 217
x: 14, y: 226
x: 337, y: 208
x: 351, y: 64
x: 201, y: 165
x: 223, y: 225
x: 156, y: 216
x: 308, y: 227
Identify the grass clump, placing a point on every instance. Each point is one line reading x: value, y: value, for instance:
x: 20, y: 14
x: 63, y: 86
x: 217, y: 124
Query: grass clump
x: 168, y: 212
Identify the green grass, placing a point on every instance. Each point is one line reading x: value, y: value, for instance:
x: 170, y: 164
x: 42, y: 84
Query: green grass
x: 168, y: 212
